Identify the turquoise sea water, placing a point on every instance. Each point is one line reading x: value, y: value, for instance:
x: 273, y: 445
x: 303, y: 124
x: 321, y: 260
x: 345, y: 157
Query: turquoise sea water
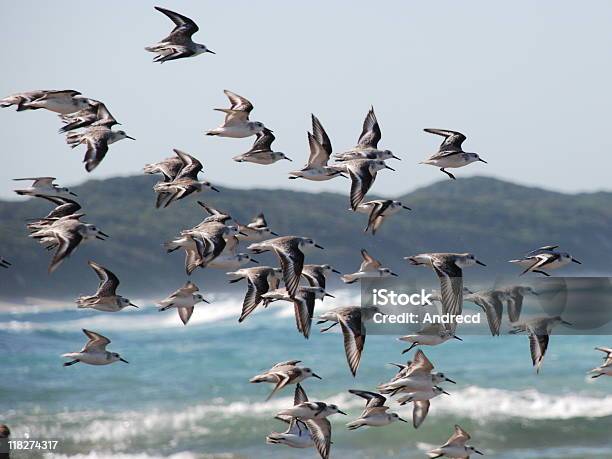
x: 185, y: 393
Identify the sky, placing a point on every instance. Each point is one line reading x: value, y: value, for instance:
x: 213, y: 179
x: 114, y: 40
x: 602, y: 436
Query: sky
x: 527, y: 82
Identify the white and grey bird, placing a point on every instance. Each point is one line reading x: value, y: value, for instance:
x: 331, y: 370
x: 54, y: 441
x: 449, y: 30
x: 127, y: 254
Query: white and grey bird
x: 375, y: 414
x: 450, y: 154
x: 370, y: 268
x: 362, y: 173
x: 544, y: 259
x: 97, y: 139
x: 63, y: 101
x: 184, y: 183
x: 416, y: 375
x: 43, y: 187
x: 378, y: 210
x: 105, y: 298
x: 421, y: 403
x: 349, y: 318
x: 63, y: 208
x: 430, y: 335
x: 297, y: 434
x: 455, y: 447
x: 448, y: 268
x: 316, y: 274
x: 367, y: 145
x: 539, y: 330
x: 606, y: 367
x: 4, y: 263
x: 283, y: 374
x: 491, y: 301
x: 261, y: 152
x: 316, y: 169
x: 96, y: 114
x: 179, y: 43
x: 184, y: 300
x: 260, y: 280
x: 288, y: 249
x: 303, y: 303
x: 94, y: 352
x: 514, y: 296
x: 65, y: 234
x: 237, y: 123
x: 230, y: 258
x: 256, y: 230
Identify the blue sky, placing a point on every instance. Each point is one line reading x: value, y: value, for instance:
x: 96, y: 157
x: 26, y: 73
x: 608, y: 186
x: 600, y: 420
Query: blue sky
x: 527, y: 82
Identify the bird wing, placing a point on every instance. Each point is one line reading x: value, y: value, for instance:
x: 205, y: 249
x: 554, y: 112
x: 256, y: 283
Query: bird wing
x: 321, y: 136
x: 419, y: 365
x: 185, y: 314
x: 369, y: 263
x: 354, y: 340
x: 540, y: 261
x: 514, y: 303
x: 538, y: 345
x: 67, y: 243
x: 361, y: 182
x: 257, y: 285
x: 259, y: 221
x: 451, y: 286
x: 96, y: 341
x: 238, y: 103
x: 39, y: 181
x: 372, y: 398
x: 291, y: 264
x: 493, y: 307
x: 458, y: 438
x: 97, y: 147
x: 184, y: 29
x: 303, y: 305
x: 263, y: 142
x: 370, y: 134
x: 318, y: 156
x: 320, y: 431
x: 299, y: 395
x: 282, y: 379
x: 191, y: 166
x: 314, y: 276
x: 452, y: 139
x: 108, y: 281
x: 419, y: 412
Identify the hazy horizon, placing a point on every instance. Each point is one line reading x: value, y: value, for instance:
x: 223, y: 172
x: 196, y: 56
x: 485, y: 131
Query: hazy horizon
x: 515, y: 79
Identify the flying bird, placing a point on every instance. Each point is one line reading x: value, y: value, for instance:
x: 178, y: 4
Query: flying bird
x: 260, y: 280
x: 370, y: 268
x: 283, y: 374
x: 261, y: 152
x: 43, y: 187
x: 236, y: 123
x: 544, y: 258
x: 375, y: 413
x: 97, y: 139
x: 450, y: 154
x: 179, y: 43
x: 94, y: 352
x: 184, y: 300
x: 362, y: 173
x: 455, y: 446
x: 378, y: 210
x: 105, y: 298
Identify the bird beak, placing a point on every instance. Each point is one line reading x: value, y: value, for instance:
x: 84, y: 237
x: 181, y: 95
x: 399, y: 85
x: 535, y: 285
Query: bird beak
x: 390, y: 168
x: 450, y: 381
x: 567, y: 323
x: 406, y: 207
x: 73, y: 194
x: 123, y: 360
x: 318, y: 246
x: 132, y: 304
x: 342, y: 412
x: 205, y: 301
x: 456, y: 337
x: 242, y: 233
x: 395, y: 275
x: 314, y: 375
x: 444, y: 392
x: 482, y: 160
x: 211, y: 52
x: 214, y: 189
x: 101, y: 238
x: 329, y: 295
x: 273, y: 233
x: 576, y: 261
x: 336, y: 271
x: 253, y: 260
x: 288, y: 159
x: 128, y: 137
x: 395, y: 157
x: 478, y: 452
x: 480, y: 263
x: 401, y: 419
x: 103, y: 234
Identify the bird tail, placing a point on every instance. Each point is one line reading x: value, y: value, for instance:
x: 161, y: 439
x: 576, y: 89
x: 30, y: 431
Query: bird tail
x: 348, y: 278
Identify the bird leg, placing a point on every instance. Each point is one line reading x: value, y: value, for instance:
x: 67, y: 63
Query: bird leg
x: 67, y: 364
x: 448, y: 173
x: 323, y: 330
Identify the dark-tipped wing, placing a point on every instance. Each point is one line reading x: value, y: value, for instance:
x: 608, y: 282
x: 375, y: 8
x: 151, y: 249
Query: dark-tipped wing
x: 514, y: 303
x: 419, y: 413
x: 361, y: 182
x: 320, y: 135
x: 354, y: 340
x: 96, y: 341
x: 538, y: 345
x: 291, y: 263
x: 314, y: 276
x: 318, y: 155
x: 320, y: 431
x: 370, y: 134
x: 494, y: 308
x: 452, y: 139
x: 451, y: 288
x: 299, y: 395
x: 372, y: 398
x: 369, y: 263
x: 184, y: 29
x: 303, y: 305
x: 458, y: 438
x: 108, y: 281
x: 238, y: 103
x: 97, y: 147
x: 263, y: 142
x: 67, y: 242
x: 191, y: 166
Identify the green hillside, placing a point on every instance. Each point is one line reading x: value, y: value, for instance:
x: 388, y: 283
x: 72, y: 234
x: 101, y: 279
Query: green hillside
x: 494, y: 219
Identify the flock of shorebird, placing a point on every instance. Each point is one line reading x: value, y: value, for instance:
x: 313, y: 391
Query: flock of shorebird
x: 214, y: 243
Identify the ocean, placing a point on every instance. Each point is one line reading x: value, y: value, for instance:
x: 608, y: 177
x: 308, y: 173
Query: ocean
x: 185, y: 393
